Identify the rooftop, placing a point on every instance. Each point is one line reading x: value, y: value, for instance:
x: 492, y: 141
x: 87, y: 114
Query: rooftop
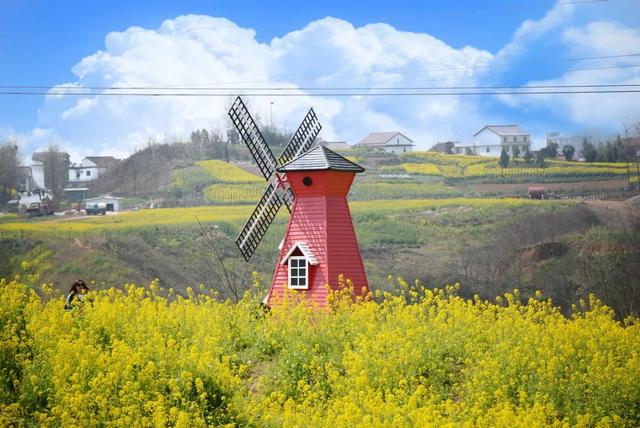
x: 320, y: 158
x: 504, y: 130
x: 380, y: 138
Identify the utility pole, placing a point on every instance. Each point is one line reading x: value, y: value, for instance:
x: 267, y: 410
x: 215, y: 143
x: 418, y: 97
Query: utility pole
x: 271, y: 116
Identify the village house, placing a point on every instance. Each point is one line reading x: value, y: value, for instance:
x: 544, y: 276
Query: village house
x: 492, y: 139
x: 333, y: 145
x: 90, y: 168
x: 577, y: 141
x: 392, y: 142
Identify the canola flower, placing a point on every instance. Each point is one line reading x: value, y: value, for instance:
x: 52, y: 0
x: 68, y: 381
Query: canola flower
x: 225, y: 172
x: 416, y: 357
x: 233, y: 214
x: 462, y: 166
x: 234, y: 193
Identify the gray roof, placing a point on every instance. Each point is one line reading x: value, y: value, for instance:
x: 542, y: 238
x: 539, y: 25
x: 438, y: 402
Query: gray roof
x: 504, y: 130
x: 380, y: 138
x: 103, y: 161
x: 320, y: 158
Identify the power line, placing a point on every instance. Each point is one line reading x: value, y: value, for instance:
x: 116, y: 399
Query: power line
x: 522, y: 91
x: 70, y: 90
x: 61, y: 90
x: 193, y: 86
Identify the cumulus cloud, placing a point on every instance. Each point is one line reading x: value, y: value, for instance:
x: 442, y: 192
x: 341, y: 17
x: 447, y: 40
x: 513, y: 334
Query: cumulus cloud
x: 602, y: 110
x: 202, y: 50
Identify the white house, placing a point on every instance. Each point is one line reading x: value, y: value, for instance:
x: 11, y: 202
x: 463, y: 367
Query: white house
x: 90, y: 168
x: 333, y: 145
x: 577, y: 141
x: 491, y: 139
x: 393, y: 142
x: 37, y: 170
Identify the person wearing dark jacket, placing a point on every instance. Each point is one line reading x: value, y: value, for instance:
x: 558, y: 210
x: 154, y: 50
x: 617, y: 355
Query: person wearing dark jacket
x: 77, y: 291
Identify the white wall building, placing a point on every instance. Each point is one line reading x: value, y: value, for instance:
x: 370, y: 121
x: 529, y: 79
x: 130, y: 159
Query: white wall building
x: 393, y: 142
x: 577, y: 141
x: 37, y: 172
x: 90, y: 168
x: 491, y: 139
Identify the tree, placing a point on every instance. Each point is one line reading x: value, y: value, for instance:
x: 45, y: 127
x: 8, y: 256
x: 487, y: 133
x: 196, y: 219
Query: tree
x: 589, y: 152
x: 56, y: 169
x: 551, y: 151
x: 516, y: 151
x: 8, y: 169
x: 528, y: 157
x: 568, y: 152
x: 504, y: 159
x: 540, y: 158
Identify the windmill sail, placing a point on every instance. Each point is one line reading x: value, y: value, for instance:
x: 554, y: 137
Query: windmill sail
x: 260, y: 220
x: 253, y: 138
x: 303, y: 138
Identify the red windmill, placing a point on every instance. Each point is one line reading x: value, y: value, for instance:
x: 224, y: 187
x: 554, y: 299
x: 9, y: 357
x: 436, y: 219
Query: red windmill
x: 320, y: 243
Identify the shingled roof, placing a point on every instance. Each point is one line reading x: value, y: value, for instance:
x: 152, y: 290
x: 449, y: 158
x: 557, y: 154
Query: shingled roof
x: 320, y: 158
x: 504, y: 130
x: 379, y: 139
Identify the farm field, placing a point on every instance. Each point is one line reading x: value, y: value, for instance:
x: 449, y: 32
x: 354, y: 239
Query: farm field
x: 411, y: 357
x: 459, y: 167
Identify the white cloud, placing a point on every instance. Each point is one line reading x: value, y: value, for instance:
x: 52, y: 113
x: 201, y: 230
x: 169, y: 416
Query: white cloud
x: 608, y: 111
x: 201, y: 50
x: 531, y: 30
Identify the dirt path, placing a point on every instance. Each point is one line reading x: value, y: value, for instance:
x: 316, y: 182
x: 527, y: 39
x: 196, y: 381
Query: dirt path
x: 617, y: 184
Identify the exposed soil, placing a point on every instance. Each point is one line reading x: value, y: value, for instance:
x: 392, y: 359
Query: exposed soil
x: 618, y: 184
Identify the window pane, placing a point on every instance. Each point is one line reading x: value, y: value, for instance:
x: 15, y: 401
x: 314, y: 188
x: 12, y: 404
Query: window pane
x: 294, y: 272
x: 302, y: 282
x: 293, y: 262
x: 294, y: 282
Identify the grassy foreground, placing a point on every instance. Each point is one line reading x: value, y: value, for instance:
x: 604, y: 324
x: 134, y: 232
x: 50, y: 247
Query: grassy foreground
x: 145, y: 357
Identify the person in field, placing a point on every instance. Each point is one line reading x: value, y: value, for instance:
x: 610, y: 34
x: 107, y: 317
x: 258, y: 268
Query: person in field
x: 77, y: 291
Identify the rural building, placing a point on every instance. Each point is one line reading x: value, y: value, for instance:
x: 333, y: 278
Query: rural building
x: 392, y: 142
x: 25, y: 179
x: 491, y: 139
x: 333, y: 145
x: 76, y: 194
x: 111, y: 202
x: 38, y: 161
x: 577, y: 141
x: 444, y: 147
x: 90, y: 168
x: 37, y: 169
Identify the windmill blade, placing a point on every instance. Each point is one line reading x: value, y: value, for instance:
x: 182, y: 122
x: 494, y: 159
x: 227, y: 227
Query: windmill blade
x: 259, y: 221
x: 303, y: 137
x: 252, y: 137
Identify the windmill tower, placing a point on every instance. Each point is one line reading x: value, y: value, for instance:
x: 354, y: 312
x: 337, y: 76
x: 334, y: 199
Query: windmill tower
x: 320, y: 243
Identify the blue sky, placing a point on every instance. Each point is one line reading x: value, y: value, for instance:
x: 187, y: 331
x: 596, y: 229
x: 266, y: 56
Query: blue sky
x: 328, y: 43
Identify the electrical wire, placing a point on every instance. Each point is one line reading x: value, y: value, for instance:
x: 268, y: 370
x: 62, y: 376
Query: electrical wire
x: 334, y: 94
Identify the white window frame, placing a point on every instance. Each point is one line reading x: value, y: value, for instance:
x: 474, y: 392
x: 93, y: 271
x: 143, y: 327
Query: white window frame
x: 298, y: 276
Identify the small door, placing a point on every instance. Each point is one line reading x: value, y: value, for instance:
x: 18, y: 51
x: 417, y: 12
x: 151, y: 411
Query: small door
x: 109, y: 207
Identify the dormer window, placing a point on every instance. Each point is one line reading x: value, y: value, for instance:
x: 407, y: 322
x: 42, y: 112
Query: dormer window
x: 298, y: 272
x: 299, y: 260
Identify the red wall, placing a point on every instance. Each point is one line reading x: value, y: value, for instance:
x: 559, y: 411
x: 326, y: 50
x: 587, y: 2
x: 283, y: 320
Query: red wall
x: 321, y: 218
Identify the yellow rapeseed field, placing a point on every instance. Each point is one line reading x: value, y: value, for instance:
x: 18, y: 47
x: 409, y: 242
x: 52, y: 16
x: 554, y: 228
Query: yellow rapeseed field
x: 458, y: 166
x: 234, y: 193
x: 417, y: 357
x: 229, y: 213
x: 227, y: 172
